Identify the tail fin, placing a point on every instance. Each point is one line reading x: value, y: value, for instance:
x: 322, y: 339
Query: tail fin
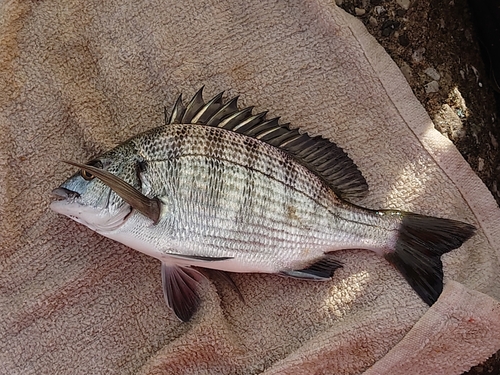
x: 417, y: 255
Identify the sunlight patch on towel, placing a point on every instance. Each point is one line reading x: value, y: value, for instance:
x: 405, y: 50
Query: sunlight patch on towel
x: 345, y: 292
x: 405, y: 188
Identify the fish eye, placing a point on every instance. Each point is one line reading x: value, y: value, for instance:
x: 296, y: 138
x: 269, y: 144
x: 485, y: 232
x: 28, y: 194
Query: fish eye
x: 86, y: 174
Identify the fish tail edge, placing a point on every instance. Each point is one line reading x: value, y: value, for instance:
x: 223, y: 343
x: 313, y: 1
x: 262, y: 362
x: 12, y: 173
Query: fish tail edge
x: 417, y: 253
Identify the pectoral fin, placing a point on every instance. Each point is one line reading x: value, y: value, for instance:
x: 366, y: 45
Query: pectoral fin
x: 321, y: 270
x: 180, y: 289
x: 199, y: 257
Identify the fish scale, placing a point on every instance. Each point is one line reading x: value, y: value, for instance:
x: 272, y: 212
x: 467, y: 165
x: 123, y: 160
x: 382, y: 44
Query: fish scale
x: 221, y: 188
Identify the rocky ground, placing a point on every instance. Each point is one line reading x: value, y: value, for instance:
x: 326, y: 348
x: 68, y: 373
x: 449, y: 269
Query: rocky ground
x: 436, y: 46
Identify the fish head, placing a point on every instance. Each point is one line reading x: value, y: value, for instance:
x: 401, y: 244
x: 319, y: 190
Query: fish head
x: 91, y: 202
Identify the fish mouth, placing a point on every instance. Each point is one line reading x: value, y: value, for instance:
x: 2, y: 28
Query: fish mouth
x: 99, y: 219
x: 64, y: 194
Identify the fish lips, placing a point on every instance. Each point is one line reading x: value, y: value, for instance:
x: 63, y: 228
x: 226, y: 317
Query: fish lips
x: 97, y: 219
x: 62, y: 193
x: 64, y: 201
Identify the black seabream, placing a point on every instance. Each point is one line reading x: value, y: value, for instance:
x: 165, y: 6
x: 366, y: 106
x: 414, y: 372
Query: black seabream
x: 222, y: 188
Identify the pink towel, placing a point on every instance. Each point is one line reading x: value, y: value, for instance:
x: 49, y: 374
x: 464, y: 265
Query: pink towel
x: 78, y: 77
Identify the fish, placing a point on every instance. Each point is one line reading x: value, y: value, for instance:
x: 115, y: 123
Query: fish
x: 221, y: 188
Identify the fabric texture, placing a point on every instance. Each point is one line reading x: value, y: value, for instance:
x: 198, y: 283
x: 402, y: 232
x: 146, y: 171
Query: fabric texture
x: 80, y: 77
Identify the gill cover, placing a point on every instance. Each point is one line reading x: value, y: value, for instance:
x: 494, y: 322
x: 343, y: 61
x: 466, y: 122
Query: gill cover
x: 149, y: 207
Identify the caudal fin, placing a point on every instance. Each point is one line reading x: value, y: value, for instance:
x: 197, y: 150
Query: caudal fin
x: 417, y: 255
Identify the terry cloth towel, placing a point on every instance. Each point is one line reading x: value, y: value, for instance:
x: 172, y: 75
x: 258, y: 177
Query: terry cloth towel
x: 78, y: 77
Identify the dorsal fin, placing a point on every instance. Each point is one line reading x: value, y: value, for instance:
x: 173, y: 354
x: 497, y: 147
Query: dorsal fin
x: 318, y: 154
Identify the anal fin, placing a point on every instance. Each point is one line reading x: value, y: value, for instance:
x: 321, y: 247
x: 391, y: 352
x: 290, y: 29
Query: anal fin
x: 180, y: 289
x: 321, y: 270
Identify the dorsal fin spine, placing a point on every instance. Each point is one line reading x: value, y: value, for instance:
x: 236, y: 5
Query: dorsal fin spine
x: 208, y: 110
x: 232, y: 120
x: 177, y: 111
x: 249, y: 122
x: 193, y: 106
x: 262, y: 126
x: 281, y: 139
x: 228, y: 108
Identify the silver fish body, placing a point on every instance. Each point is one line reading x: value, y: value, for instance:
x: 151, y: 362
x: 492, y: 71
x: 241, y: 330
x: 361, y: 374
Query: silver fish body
x: 227, y: 195
x: 233, y: 202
